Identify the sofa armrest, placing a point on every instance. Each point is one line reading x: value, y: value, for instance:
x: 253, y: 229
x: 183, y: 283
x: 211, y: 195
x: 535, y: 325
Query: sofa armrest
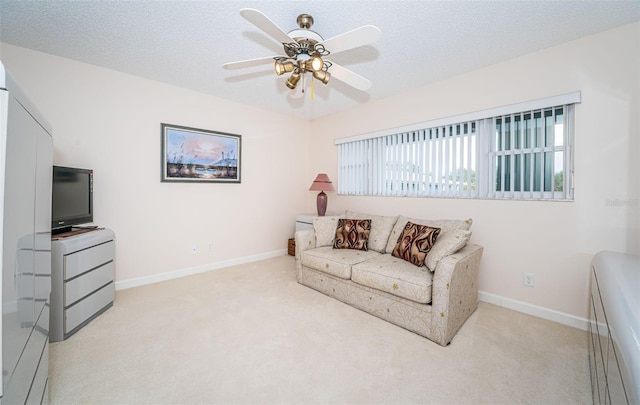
x: 305, y: 240
x: 455, y: 292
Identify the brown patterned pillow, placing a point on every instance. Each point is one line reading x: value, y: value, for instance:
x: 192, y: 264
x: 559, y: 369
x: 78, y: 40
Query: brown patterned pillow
x: 414, y: 243
x: 352, y: 234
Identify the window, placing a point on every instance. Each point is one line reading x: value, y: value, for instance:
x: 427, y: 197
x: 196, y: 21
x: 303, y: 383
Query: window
x: 520, y: 151
x: 529, y: 155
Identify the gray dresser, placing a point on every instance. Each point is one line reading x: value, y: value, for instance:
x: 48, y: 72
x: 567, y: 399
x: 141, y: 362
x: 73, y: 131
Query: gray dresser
x: 82, y: 286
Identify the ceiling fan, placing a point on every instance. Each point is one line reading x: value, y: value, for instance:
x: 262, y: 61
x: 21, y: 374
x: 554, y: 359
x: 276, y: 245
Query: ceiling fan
x: 305, y: 51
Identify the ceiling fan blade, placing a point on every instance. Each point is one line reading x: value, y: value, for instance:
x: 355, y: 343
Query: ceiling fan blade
x: 353, y: 39
x: 348, y: 77
x: 263, y: 22
x: 248, y: 63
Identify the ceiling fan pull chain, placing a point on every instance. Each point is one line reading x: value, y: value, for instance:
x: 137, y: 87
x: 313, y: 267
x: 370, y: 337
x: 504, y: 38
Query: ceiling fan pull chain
x: 312, y: 89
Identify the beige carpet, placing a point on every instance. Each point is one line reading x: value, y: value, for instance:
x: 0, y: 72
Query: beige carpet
x: 250, y: 334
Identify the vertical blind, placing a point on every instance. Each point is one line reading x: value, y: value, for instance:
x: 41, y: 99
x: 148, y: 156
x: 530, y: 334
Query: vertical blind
x: 437, y: 161
x: 521, y: 153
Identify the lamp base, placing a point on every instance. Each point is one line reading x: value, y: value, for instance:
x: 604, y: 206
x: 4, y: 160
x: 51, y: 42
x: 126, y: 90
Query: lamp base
x: 321, y: 203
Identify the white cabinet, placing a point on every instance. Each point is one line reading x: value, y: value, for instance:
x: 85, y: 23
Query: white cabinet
x: 82, y: 286
x: 304, y: 221
x: 26, y: 160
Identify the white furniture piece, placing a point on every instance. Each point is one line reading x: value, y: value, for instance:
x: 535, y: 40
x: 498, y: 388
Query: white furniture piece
x: 82, y: 287
x: 304, y: 221
x: 614, y: 348
x: 26, y: 161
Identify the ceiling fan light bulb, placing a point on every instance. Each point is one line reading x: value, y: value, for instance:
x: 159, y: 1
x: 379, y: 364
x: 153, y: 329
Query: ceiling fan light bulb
x: 316, y: 63
x: 278, y: 67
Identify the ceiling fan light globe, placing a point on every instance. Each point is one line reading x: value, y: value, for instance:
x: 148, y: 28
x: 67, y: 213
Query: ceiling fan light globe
x: 293, y: 80
x: 283, y: 67
x: 322, y: 76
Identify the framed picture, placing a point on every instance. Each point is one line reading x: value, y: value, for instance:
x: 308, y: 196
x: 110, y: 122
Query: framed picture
x: 199, y: 155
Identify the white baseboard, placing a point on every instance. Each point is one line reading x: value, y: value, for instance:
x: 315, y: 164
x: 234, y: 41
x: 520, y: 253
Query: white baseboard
x: 170, y: 275
x: 535, y: 310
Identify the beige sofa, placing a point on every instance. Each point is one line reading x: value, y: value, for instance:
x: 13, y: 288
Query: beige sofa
x: 433, y: 300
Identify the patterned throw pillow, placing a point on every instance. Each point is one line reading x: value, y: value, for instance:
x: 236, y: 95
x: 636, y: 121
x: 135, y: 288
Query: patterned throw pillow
x: 381, y: 227
x: 443, y: 224
x: 352, y: 234
x: 415, y: 242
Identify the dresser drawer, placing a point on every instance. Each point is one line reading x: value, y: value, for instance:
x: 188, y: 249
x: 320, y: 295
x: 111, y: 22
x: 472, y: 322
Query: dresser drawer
x: 22, y: 379
x: 84, y: 260
x: 86, y: 308
x: 38, y: 393
x: 84, y: 285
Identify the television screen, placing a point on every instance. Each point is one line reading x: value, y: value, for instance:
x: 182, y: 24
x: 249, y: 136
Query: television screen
x: 72, y: 198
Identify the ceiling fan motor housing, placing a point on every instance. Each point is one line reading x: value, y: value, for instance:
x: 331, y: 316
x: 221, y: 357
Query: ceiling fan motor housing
x: 305, y: 37
x: 304, y: 21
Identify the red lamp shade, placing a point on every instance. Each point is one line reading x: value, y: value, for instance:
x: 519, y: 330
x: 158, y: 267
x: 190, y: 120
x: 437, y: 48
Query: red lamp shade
x: 322, y: 184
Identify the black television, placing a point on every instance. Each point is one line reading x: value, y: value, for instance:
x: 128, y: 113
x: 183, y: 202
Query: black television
x: 72, y: 198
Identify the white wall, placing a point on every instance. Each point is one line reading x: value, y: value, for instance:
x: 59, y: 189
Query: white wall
x: 110, y: 122
x: 553, y: 240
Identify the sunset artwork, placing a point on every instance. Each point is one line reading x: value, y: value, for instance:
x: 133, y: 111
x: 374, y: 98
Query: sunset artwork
x: 197, y: 155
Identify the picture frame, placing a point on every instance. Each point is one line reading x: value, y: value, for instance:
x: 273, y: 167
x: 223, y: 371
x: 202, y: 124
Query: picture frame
x: 193, y: 155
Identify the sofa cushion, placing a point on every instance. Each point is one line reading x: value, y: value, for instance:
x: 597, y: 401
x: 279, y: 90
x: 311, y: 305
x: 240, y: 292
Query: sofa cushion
x: 336, y: 262
x: 395, y: 276
x: 443, y: 224
x: 381, y: 227
x: 448, y: 243
x: 325, y: 229
x: 415, y: 242
x: 352, y: 234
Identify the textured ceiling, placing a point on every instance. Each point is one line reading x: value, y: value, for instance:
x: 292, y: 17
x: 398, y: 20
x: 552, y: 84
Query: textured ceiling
x: 185, y: 43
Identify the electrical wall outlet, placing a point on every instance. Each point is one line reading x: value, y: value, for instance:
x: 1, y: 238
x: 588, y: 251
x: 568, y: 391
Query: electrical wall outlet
x: 528, y: 280
x: 194, y: 249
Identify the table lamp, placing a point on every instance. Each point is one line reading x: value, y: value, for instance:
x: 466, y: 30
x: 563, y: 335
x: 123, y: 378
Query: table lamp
x: 322, y: 183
